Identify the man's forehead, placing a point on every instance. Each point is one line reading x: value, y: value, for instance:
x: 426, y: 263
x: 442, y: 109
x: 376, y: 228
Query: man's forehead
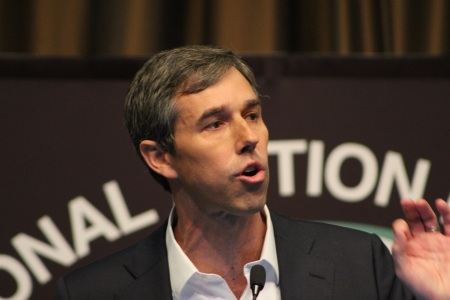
x: 217, y: 109
x: 232, y: 90
x: 204, y: 106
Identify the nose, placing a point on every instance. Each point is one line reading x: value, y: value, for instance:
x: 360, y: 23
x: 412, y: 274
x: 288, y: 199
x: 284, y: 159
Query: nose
x: 247, y: 137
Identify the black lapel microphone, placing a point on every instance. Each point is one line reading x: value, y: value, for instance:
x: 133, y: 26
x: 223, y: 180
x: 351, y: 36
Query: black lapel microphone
x: 257, y: 279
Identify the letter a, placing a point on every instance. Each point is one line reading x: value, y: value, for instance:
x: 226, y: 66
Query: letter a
x: 80, y: 211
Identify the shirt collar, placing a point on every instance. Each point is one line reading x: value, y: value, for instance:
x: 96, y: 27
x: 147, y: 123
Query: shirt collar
x: 181, y: 269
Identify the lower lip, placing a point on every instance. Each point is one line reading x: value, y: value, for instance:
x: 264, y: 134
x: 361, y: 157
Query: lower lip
x: 257, y: 178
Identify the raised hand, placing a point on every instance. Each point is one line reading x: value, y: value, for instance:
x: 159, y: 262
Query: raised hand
x: 421, y: 249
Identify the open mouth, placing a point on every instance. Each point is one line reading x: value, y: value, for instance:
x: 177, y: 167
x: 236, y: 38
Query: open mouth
x: 250, y: 171
x: 253, y: 173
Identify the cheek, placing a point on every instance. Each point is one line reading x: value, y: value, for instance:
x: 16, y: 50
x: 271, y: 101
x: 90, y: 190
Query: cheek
x: 264, y: 138
x: 199, y: 161
x: 266, y: 132
x: 213, y: 161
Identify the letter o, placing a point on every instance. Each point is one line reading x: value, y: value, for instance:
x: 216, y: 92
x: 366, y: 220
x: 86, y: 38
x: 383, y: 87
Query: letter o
x: 20, y: 275
x: 369, y: 172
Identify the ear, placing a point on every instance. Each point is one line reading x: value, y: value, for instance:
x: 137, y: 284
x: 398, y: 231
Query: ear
x: 157, y: 159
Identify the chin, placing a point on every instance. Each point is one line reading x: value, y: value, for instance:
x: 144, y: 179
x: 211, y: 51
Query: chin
x: 252, y: 208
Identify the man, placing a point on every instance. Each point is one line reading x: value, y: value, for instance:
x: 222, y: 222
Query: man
x: 195, y: 118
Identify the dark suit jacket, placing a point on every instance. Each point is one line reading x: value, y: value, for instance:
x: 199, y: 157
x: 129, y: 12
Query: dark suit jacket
x: 316, y: 261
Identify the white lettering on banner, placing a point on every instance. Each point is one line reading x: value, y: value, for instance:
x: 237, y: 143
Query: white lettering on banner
x: 58, y: 250
x: 393, y: 171
x: 285, y: 150
x: 20, y: 275
x: 333, y: 169
x: 82, y: 212
x: 127, y: 224
x: 315, y: 168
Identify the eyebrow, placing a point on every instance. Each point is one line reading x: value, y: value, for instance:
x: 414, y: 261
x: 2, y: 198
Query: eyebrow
x: 219, y: 109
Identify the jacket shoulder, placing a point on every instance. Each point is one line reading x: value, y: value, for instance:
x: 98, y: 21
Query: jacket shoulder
x: 102, y: 278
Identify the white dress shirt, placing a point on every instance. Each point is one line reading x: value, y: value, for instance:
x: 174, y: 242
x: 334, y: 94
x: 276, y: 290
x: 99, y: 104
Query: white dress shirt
x: 188, y: 283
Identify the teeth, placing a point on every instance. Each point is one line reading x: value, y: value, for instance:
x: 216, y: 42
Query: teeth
x: 250, y: 169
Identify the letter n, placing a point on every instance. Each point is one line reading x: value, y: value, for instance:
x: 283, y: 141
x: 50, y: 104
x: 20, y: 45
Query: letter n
x: 30, y: 248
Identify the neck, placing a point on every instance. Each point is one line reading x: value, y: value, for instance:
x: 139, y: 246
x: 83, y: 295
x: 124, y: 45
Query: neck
x: 222, y: 243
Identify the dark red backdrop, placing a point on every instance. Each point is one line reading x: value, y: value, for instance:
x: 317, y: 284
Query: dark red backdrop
x: 350, y: 127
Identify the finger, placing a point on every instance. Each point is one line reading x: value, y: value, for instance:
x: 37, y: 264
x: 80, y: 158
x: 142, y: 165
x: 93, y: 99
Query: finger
x: 444, y: 210
x: 412, y: 216
x: 402, y: 231
x: 419, y: 215
x: 402, y: 234
x: 429, y: 219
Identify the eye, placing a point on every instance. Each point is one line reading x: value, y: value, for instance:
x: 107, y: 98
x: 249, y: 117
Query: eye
x: 253, y: 116
x: 214, y: 125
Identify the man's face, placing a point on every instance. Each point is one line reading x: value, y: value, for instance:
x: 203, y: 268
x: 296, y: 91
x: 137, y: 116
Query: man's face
x: 221, y: 149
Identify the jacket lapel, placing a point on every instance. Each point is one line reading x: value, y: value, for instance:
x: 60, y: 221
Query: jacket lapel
x: 302, y: 276
x: 149, y: 267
